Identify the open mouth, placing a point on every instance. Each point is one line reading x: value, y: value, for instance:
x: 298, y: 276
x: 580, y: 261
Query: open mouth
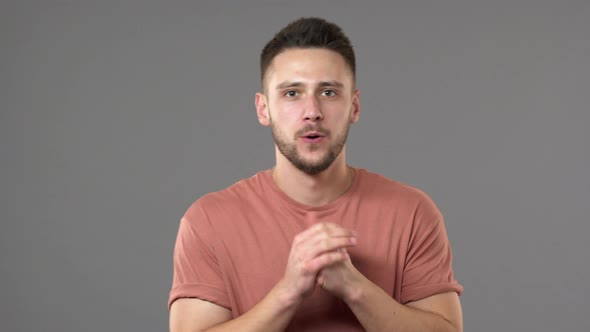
x: 313, y: 138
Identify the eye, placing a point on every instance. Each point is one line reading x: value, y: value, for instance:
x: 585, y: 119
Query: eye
x: 290, y: 93
x: 329, y: 93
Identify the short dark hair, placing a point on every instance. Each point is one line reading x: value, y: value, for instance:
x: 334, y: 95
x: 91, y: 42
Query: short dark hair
x: 308, y: 32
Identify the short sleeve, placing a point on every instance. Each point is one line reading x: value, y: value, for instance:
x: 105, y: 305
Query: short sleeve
x: 196, y: 271
x: 428, y: 268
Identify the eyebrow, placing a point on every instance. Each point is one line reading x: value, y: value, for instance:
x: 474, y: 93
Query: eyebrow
x: 294, y: 84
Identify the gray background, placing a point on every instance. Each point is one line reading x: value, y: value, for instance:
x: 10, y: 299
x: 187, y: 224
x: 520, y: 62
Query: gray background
x: 116, y: 115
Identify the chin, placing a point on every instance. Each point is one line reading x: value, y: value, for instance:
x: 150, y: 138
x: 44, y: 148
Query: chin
x: 313, y: 166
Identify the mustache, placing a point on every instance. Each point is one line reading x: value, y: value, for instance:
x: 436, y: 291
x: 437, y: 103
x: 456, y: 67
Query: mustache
x: 309, y: 128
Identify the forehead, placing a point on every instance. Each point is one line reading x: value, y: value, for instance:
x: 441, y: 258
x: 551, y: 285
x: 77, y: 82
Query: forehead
x: 309, y: 66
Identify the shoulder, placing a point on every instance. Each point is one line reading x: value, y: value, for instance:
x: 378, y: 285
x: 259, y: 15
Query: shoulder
x: 377, y: 185
x: 235, y: 196
x: 409, y: 203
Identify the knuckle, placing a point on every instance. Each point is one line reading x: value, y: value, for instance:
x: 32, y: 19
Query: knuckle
x: 307, y: 268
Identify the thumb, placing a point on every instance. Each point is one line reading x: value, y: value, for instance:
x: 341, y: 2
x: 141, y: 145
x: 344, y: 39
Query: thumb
x: 321, y: 281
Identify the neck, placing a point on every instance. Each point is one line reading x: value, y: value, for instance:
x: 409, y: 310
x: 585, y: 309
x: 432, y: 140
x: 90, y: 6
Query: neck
x: 314, y: 190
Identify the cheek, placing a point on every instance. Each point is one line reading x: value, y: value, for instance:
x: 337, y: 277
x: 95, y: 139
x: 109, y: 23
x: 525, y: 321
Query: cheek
x: 338, y: 113
x: 286, y: 112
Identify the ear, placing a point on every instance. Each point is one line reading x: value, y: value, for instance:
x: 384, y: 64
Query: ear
x: 262, y: 109
x: 356, y: 106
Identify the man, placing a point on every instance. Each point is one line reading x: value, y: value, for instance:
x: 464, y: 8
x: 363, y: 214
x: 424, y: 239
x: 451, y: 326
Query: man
x: 313, y: 244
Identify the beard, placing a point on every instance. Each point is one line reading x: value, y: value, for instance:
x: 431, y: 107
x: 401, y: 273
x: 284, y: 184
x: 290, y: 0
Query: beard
x: 289, y: 148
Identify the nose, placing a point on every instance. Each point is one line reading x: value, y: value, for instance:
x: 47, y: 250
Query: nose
x: 312, y: 110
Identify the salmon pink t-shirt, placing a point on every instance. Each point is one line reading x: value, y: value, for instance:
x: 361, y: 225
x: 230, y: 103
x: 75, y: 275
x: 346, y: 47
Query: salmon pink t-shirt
x: 232, y: 246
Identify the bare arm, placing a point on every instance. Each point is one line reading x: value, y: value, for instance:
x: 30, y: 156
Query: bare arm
x: 190, y: 314
x: 378, y: 311
x: 314, y: 249
x: 273, y: 313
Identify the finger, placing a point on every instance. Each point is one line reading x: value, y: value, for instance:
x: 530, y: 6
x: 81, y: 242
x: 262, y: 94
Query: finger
x: 321, y: 229
x: 325, y: 245
x: 327, y: 259
x: 331, y: 228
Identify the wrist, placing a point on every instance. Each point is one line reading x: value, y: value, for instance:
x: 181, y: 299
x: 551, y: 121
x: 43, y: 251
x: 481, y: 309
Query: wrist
x: 285, y: 297
x: 356, y: 291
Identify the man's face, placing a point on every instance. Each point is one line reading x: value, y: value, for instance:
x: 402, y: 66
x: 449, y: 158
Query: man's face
x: 309, y: 103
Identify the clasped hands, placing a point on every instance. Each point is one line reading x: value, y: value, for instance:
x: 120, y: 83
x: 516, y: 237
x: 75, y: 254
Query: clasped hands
x: 319, y: 256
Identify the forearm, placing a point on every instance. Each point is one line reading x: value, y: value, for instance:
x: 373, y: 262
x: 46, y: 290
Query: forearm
x: 272, y: 313
x: 378, y: 311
